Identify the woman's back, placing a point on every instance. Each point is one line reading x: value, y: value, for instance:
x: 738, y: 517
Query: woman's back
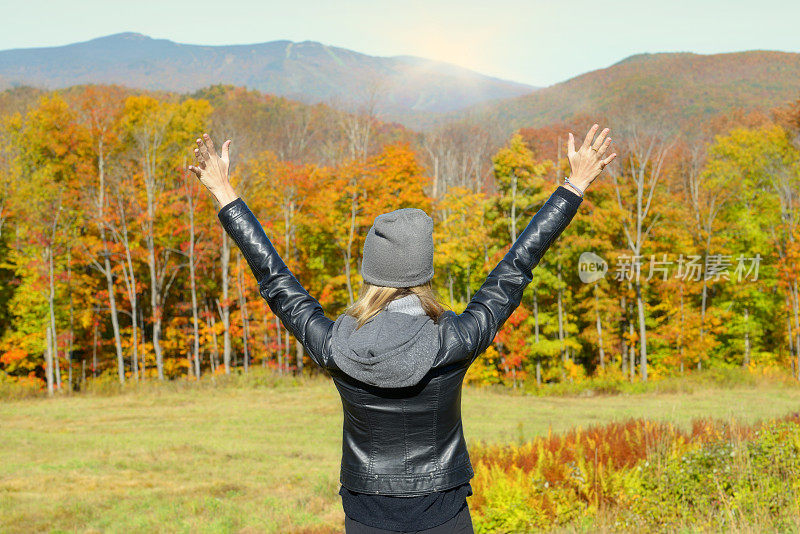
x: 402, y: 429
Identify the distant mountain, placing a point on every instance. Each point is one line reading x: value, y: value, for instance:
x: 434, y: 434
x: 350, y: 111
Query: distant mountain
x: 307, y: 71
x: 683, y: 87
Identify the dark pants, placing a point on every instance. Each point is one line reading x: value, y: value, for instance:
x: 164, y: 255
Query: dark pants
x: 460, y: 524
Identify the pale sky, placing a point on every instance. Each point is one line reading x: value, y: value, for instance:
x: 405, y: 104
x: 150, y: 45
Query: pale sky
x: 539, y: 42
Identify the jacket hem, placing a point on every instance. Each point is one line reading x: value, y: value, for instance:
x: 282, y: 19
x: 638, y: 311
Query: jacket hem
x: 405, y: 485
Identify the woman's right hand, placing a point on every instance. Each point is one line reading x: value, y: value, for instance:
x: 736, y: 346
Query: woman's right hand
x: 588, y: 162
x: 212, y: 170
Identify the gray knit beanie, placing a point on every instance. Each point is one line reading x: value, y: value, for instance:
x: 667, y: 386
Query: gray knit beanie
x: 398, y: 250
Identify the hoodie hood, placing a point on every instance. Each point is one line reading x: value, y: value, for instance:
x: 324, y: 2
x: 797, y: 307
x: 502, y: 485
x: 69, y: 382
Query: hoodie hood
x: 396, y: 348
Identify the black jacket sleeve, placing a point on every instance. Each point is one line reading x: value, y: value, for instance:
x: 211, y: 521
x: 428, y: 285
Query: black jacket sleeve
x: 299, y: 312
x: 475, y: 328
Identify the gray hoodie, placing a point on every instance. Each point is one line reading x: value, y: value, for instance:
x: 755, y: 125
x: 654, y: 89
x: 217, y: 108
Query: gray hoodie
x: 396, y: 348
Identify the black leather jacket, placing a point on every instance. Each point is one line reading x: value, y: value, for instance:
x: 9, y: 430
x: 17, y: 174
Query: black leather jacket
x: 404, y: 441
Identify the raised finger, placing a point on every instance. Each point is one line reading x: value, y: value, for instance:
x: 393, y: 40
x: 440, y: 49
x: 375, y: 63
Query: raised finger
x: 225, y: 153
x: 201, y: 157
x: 589, y: 136
x: 600, y: 138
x: 604, y: 147
x: 195, y: 170
x: 209, y: 145
x: 201, y: 148
x: 570, y: 144
x: 609, y: 159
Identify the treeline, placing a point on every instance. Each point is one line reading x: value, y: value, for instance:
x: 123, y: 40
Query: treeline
x: 113, y: 261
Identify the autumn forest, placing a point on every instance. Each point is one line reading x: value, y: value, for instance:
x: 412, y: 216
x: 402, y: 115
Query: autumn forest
x: 113, y: 265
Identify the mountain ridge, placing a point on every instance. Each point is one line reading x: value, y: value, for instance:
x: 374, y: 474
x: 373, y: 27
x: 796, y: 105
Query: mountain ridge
x: 308, y: 71
x: 684, y: 86
x: 418, y: 92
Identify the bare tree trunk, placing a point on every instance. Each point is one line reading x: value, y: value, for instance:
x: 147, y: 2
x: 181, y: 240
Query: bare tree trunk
x: 624, y: 359
x: 190, y: 198
x: 680, y: 332
x: 642, y: 331
x: 289, y: 211
x: 632, y: 348
x: 561, y: 317
x: 48, y: 358
x: 243, y: 308
x: 3, y: 213
x: 286, y: 352
x: 348, y: 252
x: 280, y: 344
x: 144, y: 346
x: 450, y: 287
x: 225, y: 312
x: 703, y: 300
x: 154, y: 288
x: 746, y: 361
x: 536, y: 337
x: 789, y: 334
x: 266, y: 337
x: 57, y: 363
x: 71, y: 336
x: 300, y: 351
x: 68, y: 357
x: 112, y: 303
x: 53, y: 331
x: 631, y: 353
x: 211, y: 323
x: 513, y: 220
x: 129, y: 276
x: 599, y: 329
x: 795, y: 294
x: 469, y: 282
x: 94, y: 350
x: 134, y: 360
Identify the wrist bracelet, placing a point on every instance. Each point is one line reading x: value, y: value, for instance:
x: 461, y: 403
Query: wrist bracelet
x: 567, y: 182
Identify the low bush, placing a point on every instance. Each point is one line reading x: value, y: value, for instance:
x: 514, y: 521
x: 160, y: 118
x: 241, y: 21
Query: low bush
x: 15, y: 388
x: 614, y: 383
x: 725, y: 485
x: 107, y: 384
x: 639, y: 475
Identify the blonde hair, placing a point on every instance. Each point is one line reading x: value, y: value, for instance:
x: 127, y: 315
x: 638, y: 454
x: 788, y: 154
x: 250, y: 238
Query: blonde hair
x: 373, y: 299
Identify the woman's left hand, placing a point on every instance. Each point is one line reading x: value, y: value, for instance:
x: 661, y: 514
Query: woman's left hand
x: 212, y: 170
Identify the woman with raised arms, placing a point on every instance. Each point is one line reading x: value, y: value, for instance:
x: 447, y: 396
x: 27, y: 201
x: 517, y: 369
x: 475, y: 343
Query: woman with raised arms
x: 397, y: 356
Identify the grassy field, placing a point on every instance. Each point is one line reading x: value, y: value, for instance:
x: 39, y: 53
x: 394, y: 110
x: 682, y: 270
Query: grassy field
x: 255, y: 460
